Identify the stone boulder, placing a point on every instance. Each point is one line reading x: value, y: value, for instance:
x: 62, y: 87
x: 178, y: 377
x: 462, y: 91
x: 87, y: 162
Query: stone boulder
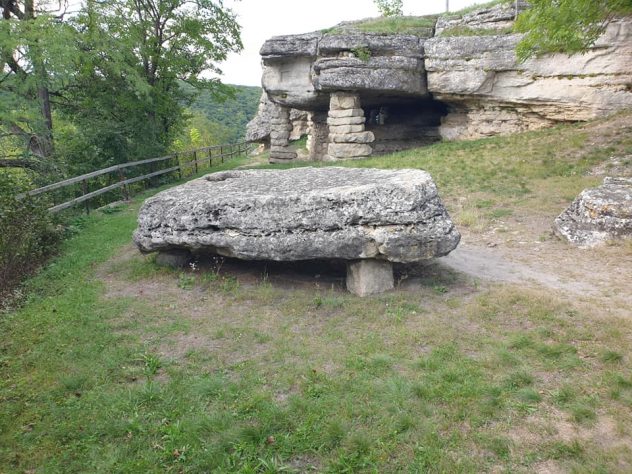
x: 599, y: 214
x: 303, y: 214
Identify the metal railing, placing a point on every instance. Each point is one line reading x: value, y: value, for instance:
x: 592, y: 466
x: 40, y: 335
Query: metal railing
x: 199, y: 156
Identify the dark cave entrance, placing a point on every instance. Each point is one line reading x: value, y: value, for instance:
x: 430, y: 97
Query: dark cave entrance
x: 401, y: 124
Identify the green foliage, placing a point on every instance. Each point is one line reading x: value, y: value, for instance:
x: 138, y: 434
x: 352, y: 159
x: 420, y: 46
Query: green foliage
x: 567, y: 26
x: 28, y: 234
x: 200, y: 132
x: 113, y: 73
x: 231, y: 111
x: 36, y: 62
x: 362, y: 53
x: 390, y: 7
x: 477, y: 6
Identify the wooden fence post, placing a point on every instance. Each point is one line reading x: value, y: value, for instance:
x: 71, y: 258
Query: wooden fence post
x: 175, y: 155
x: 124, y: 188
x: 221, y: 153
x: 210, y: 157
x: 195, y: 161
x: 84, y: 191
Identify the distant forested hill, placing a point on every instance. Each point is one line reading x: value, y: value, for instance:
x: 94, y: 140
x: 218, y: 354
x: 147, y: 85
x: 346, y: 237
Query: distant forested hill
x: 233, y: 113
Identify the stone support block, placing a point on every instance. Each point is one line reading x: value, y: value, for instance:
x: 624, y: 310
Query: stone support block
x: 174, y: 258
x: 280, y: 134
x: 346, y: 113
x: 281, y: 125
x: 369, y: 277
x: 341, y: 129
x: 344, y: 100
x: 348, y: 150
x: 357, y: 137
x: 317, y: 138
x: 346, y: 120
x: 282, y: 153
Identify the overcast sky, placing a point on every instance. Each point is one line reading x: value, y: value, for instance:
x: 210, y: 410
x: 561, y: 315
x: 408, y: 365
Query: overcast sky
x: 261, y: 19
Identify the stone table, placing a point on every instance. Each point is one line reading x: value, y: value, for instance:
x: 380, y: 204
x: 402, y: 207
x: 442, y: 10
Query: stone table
x: 367, y: 217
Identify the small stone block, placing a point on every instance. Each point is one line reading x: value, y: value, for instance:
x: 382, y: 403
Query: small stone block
x: 345, y: 120
x: 349, y: 150
x: 341, y: 100
x: 346, y: 113
x: 280, y: 134
x: 358, y: 137
x: 339, y: 129
x: 369, y: 277
x: 176, y: 258
x: 283, y: 155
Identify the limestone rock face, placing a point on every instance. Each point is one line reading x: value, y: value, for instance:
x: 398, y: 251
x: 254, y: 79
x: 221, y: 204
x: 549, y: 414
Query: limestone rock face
x: 599, y: 214
x: 439, y: 84
x: 489, y: 92
x: 301, y: 214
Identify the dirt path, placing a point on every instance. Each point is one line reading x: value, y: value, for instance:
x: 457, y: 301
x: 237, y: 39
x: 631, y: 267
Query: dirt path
x: 491, y: 264
x: 602, y: 275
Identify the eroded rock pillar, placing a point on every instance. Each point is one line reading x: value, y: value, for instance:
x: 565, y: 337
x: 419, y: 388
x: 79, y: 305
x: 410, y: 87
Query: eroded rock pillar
x: 280, y: 129
x: 317, y: 137
x: 347, y: 135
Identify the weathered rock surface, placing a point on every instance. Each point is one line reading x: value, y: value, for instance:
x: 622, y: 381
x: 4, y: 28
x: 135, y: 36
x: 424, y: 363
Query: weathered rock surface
x: 489, y: 92
x: 499, y: 17
x: 301, y: 214
x: 258, y: 129
x: 300, y: 71
x: 599, y: 214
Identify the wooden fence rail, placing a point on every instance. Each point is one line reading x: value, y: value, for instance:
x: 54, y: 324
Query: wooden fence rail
x: 204, y: 155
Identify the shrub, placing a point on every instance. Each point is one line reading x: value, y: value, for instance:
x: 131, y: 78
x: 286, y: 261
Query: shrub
x: 27, y: 234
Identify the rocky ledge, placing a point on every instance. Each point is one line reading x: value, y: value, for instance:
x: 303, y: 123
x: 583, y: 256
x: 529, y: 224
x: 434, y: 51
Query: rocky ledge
x: 303, y: 214
x: 598, y: 215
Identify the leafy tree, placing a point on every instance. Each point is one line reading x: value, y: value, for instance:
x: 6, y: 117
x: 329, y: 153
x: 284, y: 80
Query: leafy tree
x: 390, y: 7
x: 568, y: 26
x: 35, y: 62
x: 232, y: 112
x: 138, y: 54
x: 200, y: 132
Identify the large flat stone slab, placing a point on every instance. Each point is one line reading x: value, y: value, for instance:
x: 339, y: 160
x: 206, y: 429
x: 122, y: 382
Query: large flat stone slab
x: 302, y: 214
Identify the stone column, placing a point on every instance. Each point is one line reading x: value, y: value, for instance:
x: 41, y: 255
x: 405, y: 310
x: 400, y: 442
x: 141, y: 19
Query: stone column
x: 280, y: 128
x: 347, y: 136
x: 317, y: 136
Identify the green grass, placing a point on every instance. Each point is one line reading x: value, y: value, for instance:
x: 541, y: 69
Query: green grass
x: 411, y: 25
x: 116, y: 365
x: 478, y: 6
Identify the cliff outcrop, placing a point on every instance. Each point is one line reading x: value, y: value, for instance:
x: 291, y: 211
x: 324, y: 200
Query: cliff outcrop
x: 453, y: 77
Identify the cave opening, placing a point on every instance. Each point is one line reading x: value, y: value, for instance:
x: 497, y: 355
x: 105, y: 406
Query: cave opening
x: 403, y: 124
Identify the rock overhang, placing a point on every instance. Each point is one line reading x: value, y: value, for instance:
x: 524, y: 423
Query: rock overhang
x: 301, y: 70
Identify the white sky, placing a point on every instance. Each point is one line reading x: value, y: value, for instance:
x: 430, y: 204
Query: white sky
x: 261, y: 19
